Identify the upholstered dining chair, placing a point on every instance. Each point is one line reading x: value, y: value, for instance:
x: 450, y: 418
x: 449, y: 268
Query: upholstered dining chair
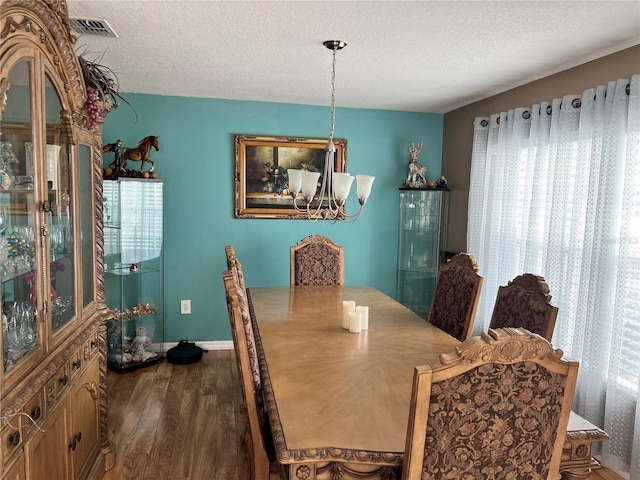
x: 525, y: 302
x: 495, y: 408
x: 257, y: 439
x: 317, y: 260
x: 456, y: 296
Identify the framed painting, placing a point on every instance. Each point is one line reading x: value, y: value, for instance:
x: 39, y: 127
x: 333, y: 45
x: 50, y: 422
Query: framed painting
x: 261, y: 180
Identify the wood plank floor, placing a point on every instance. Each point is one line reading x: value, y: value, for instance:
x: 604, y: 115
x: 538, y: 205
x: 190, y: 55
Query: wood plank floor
x: 177, y: 421
x: 181, y: 422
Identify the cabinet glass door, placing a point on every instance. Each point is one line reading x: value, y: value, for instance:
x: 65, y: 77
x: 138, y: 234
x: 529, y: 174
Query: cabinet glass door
x: 58, y: 174
x: 422, y: 239
x: 86, y: 224
x: 20, y: 333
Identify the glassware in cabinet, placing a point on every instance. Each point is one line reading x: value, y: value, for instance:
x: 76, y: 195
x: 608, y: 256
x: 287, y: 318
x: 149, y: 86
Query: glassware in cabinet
x: 18, y: 248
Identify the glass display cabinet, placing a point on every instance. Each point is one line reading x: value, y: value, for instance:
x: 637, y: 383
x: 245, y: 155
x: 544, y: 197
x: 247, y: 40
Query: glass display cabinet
x: 53, y: 400
x: 28, y: 218
x: 421, y: 246
x: 133, y: 272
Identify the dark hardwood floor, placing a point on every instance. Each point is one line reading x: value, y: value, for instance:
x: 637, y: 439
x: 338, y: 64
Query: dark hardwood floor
x: 180, y: 422
x: 177, y: 421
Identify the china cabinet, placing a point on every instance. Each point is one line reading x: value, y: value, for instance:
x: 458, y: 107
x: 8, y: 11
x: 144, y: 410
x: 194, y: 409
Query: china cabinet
x: 133, y: 272
x: 53, y: 405
x: 421, y: 246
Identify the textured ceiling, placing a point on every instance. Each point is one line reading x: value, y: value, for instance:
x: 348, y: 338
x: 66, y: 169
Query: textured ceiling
x: 422, y: 56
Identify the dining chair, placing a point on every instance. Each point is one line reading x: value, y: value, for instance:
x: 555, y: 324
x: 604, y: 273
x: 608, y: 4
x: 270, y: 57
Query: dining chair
x: 496, y: 407
x: 456, y: 296
x: 263, y: 465
x: 234, y: 265
x: 525, y: 302
x: 317, y: 260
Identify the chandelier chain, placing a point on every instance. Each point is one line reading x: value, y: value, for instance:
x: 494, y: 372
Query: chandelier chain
x: 333, y: 95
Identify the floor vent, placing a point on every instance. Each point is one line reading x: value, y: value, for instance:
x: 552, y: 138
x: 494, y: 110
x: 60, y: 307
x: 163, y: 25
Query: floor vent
x: 92, y: 26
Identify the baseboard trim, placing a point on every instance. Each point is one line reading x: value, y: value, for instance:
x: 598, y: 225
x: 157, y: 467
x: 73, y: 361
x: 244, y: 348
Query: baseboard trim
x: 208, y: 345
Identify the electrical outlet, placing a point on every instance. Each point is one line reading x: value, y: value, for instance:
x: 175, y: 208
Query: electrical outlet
x: 185, y: 307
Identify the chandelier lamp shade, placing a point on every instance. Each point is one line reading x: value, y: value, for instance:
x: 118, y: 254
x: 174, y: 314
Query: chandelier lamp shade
x: 331, y: 198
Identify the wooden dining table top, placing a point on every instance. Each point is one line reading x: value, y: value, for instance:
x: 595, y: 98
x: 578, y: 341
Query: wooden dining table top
x: 336, y: 396
x: 332, y: 393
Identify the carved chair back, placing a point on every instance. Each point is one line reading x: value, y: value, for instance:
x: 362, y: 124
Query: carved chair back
x: 235, y: 266
x: 230, y: 254
x: 317, y: 260
x: 455, y: 300
x: 496, y: 407
x: 250, y: 381
x: 525, y: 302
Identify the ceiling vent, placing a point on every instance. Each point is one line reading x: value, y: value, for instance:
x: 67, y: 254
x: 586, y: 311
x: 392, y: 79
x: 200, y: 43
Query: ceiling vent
x: 92, y: 26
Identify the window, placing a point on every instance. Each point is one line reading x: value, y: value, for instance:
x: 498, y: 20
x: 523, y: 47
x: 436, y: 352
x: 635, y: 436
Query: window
x: 555, y: 191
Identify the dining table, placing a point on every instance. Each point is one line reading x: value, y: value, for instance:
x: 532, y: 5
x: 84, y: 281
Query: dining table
x: 337, y: 401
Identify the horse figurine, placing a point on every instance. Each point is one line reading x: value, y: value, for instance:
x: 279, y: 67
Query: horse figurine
x: 138, y: 154
x: 141, y: 152
x: 415, y: 169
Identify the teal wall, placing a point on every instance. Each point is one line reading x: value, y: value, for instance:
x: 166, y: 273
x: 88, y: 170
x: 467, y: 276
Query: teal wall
x: 196, y: 162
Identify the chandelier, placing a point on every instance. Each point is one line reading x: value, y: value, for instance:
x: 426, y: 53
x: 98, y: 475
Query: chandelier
x: 335, y: 186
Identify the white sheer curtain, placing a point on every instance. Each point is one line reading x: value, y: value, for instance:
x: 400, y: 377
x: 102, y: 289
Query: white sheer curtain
x: 555, y: 191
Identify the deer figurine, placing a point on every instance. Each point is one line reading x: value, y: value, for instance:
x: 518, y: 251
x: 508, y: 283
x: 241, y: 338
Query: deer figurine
x: 415, y: 169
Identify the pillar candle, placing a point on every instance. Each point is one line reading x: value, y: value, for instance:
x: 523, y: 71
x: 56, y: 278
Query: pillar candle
x: 364, y: 316
x: 347, y: 306
x: 354, y: 322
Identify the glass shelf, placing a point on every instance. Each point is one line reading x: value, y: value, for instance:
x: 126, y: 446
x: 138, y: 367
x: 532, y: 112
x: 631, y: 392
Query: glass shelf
x: 16, y: 191
x: 141, y: 270
x: 139, y: 317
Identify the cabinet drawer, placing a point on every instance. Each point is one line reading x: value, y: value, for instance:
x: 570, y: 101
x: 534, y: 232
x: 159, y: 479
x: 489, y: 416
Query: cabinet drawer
x: 90, y: 347
x: 12, y: 439
x: 35, y: 408
x: 57, y: 386
x: 76, y: 362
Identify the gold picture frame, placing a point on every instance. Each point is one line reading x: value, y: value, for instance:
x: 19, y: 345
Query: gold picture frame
x: 260, y: 172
